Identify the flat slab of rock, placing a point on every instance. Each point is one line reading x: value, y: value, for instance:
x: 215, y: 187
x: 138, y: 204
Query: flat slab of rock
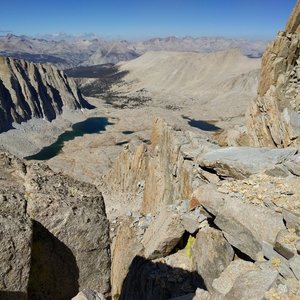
x: 225, y: 282
x: 209, y: 198
x: 163, y: 234
x: 252, y: 285
x: 277, y: 261
x: 285, y: 243
x: 190, y: 223
x: 295, y: 265
x: 241, y: 162
x: 211, y: 255
x: 292, y: 219
x: 246, y: 226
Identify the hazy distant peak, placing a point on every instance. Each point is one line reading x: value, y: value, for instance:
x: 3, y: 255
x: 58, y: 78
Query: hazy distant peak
x: 66, y: 51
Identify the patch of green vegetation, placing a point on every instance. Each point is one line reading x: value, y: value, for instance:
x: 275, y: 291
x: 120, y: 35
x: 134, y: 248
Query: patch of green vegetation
x: 189, y: 245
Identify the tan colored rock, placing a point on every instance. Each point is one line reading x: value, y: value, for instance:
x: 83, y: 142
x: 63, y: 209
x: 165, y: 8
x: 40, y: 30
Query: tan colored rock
x: 294, y: 20
x: 246, y: 226
x: 252, y: 285
x: 272, y: 118
x: 88, y: 295
x: 295, y: 265
x: 124, y: 248
x: 163, y: 234
x: 286, y: 243
x: 209, y: 198
x: 202, y: 295
x: 166, y: 167
x: 224, y: 283
x: 211, y: 255
x: 129, y: 169
x: 180, y: 259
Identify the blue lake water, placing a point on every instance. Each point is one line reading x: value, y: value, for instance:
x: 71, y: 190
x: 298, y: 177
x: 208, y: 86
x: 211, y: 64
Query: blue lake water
x: 89, y: 126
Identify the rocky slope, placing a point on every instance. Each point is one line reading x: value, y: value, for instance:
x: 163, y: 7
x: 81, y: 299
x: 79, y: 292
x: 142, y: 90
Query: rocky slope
x: 205, y: 217
x: 30, y: 90
x: 273, y: 118
x: 54, y: 234
x: 230, y: 216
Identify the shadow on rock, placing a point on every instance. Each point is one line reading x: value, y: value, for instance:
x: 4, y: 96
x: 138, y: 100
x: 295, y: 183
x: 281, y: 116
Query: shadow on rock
x: 54, y: 273
x: 8, y: 295
x: 147, y: 280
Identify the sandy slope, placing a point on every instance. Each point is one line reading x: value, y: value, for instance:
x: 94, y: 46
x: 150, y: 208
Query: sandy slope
x: 214, y: 85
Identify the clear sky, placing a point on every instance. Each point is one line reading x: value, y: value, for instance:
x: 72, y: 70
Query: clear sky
x: 145, y: 18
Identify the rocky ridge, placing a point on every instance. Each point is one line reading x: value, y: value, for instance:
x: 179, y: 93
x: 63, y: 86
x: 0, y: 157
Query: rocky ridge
x: 192, y: 198
x: 30, y: 90
x: 273, y: 117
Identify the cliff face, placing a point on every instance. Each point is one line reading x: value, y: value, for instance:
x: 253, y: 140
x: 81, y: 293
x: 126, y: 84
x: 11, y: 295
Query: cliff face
x: 30, y: 90
x: 273, y: 118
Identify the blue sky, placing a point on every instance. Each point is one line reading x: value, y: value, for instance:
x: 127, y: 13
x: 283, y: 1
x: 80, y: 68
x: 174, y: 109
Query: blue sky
x: 144, y: 19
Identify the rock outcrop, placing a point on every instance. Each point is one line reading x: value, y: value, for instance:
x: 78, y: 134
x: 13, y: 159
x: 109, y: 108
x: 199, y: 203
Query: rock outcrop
x: 273, y: 117
x: 228, y: 215
x: 54, y: 234
x: 211, y: 255
x: 30, y: 90
x: 163, y: 171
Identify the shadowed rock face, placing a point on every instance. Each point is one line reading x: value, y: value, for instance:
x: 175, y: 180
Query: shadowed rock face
x: 273, y: 118
x: 54, y: 234
x: 30, y: 90
x: 148, y: 280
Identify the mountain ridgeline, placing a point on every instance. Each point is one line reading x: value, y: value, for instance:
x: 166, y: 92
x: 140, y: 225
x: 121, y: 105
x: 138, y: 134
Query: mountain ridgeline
x: 30, y: 90
x: 71, y: 51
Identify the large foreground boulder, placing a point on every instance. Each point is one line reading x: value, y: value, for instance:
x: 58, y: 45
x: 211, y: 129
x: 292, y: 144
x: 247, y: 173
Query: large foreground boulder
x: 211, y: 255
x: 163, y: 234
x: 244, y: 225
x: 252, y: 285
x: 241, y: 162
x: 72, y: 215
x: 54, y: 234
x: 125, y: 248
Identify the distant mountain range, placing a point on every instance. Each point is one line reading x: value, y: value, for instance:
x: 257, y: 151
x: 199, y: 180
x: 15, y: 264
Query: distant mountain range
x: 83, y: 50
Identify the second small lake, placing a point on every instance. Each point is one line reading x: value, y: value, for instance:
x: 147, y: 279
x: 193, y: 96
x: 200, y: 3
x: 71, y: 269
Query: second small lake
x: 89, y: 126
